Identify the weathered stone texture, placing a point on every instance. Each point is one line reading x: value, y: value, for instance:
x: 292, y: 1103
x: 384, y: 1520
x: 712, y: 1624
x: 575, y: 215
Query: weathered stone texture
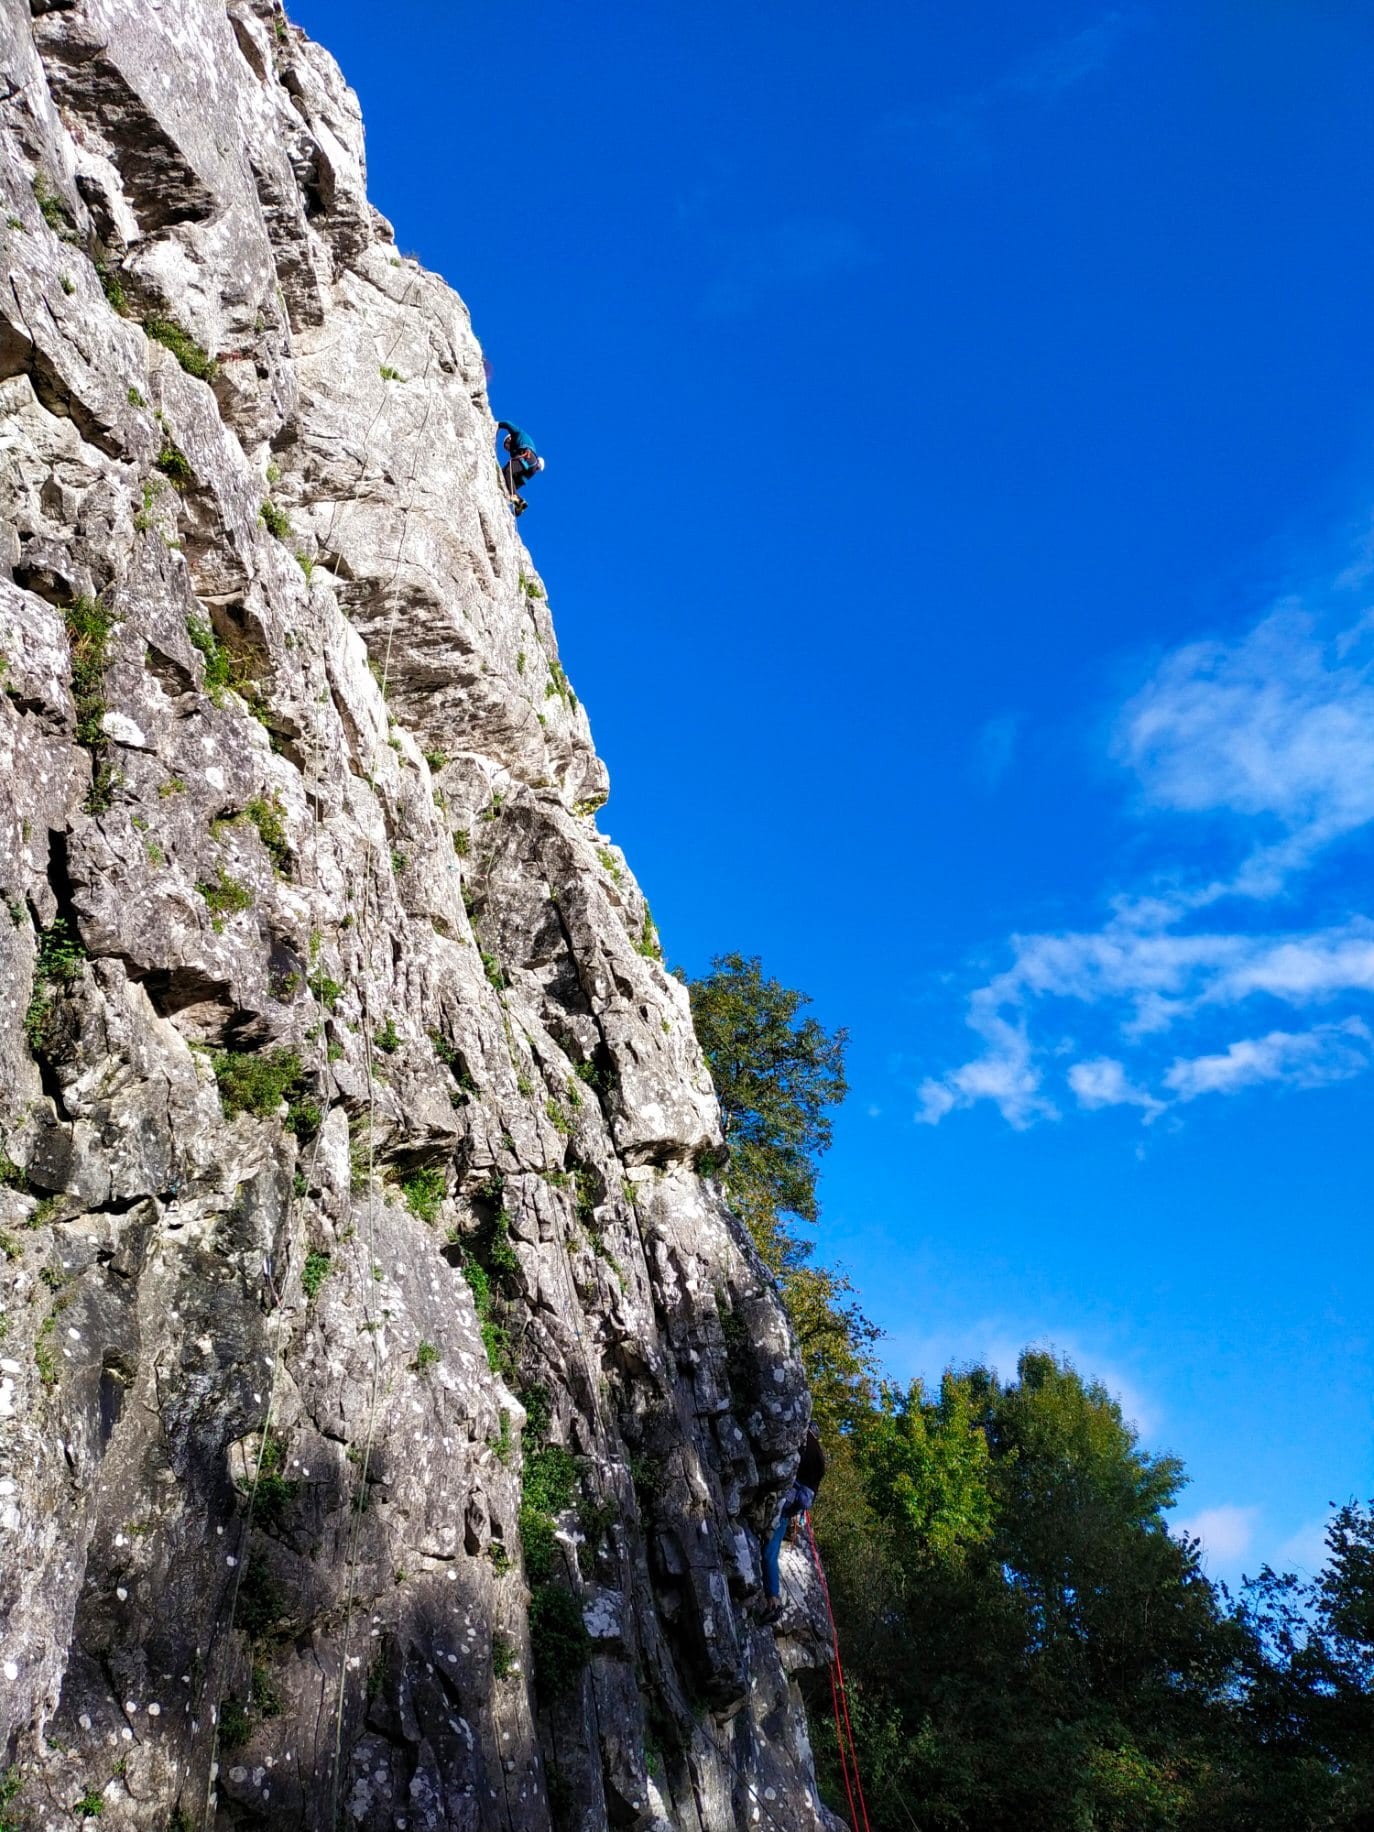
x: 290, y: 765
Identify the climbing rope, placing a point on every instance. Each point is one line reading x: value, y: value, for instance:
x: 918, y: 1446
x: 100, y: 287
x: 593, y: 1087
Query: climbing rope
x: 849, y: 1756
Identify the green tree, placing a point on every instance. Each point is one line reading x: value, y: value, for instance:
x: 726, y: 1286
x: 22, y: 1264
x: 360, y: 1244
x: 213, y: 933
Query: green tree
x: 776, y: 1073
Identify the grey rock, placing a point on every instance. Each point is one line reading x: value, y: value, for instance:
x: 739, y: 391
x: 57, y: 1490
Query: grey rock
x: 350, y: 1123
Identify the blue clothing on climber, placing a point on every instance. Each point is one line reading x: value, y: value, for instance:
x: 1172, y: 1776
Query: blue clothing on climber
x: 798, y: 1500
x: 522, y: 464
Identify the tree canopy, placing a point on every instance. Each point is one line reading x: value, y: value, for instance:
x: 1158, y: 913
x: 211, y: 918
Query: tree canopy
x: 1029, y: 1646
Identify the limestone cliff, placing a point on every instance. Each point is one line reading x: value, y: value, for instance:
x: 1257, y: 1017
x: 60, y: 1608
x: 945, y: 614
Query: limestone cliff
x: 388, y: 1402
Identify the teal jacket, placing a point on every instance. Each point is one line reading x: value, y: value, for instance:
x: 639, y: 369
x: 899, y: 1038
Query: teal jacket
x: 519, y: 441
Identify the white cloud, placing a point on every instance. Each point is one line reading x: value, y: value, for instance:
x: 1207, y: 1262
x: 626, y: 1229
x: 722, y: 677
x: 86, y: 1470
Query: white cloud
x: 1307, y: 1549
x: 1278, y: 727
x: 1227, y: 1533
x: 1271, y: 737
x: 1306, y: 1059
x: 784, y: 256
x: 1103, y: 1082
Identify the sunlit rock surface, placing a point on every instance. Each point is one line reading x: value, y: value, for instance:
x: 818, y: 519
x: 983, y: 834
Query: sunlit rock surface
x: 353, y: 1133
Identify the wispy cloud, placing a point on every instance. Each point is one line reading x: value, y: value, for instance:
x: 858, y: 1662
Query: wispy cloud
x: 1227, y: 1533
x: 783, y: 257
x: 1270, y: 738
x: 963, y: 129
x: 996, y: 747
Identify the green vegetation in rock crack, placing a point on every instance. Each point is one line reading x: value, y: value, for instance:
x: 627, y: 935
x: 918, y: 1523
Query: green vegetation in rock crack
x: 113, y: 288
x: 388, y: 1038
x: 388, y: 374
x: 520, y: 662
x: 500, y: 1558
x: 261, y: 1600
x: 314, y: 1272
x: 45, y: 1356
x: 52, y: 209
x: 272, y: 1494
x: 524, y: 1086
x: 502, y: 1654
x: 258, y: 1084
x: 235, y: 1725
x: 399, y: 862
x: 106, y: 782
x: 143, y: 519
x: 495, y: 972
x: 306, y: 564
x: 424, y: 1191
x: 225, y: 896
x: 333, y: 1052
x: 275, y: 520
x: 493, y: 811
x: 89, y: 626
x: 647, y: 944
x: 273, y: 472
x: 61, y: 960
x: 462, y: 841
x: 534, y: 1397
x: 531, y: 587
x: 557, y: 1118
x: 266, y: 1698
x: 173, y: 786
x: 224, y: 670
x: 269, y: 817
x: 589, y: 806
x: 43, y: 1211
x: 611, y: 864
x: 359, y: 1156
x: 18, y: 912
x: 559, y: 1642
x: 120, y: 1769
x: 437, y: 760
x: 154, y: 854
x: 426, y: 1357
x: 646, y: 1475
x: 594, y: 1520
x: 183, y: 346
x: 175, y: 466
x: 90, y: 1806
x: 503, y: 1444
x: 574, y: 1094
x: 300, y: 1184
x: 326, y: 990
x: 12, y: 1176
x: 67, y: 284
x: 135, y: 398
x: 559, y: 1178
x: 14, y: 222
x: 494, y: 1338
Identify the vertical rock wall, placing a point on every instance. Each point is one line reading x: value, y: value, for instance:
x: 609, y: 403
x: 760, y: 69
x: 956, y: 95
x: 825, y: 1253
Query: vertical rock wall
x: 387, y: 1400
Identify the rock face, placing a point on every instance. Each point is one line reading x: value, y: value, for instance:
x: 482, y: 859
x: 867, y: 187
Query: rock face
x: 388, y: 1401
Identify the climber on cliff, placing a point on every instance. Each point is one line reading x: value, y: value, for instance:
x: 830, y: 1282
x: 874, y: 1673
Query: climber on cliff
x: 798, y: 1500
x: 522, y: 464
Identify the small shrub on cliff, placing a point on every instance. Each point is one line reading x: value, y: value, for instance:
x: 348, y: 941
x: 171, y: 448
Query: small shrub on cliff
x: 502, y: 1654
x: 61, y: 958
x: 275, y: 520
x: 183, y: 346
x: 88, y: 629
x: 314, y: 1273
x: 559, y: 1640
x: 175, y: 466
x: 219, y: 663
x: 424, y: 1190
x: 225, y: 896
x: 268, y: 816
x: 255, y: 1084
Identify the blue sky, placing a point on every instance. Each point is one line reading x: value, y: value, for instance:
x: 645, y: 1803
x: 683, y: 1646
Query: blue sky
x: 960, y: 430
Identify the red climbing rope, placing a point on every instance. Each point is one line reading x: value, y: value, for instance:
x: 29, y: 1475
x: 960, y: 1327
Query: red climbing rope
x: 849, y: 1758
